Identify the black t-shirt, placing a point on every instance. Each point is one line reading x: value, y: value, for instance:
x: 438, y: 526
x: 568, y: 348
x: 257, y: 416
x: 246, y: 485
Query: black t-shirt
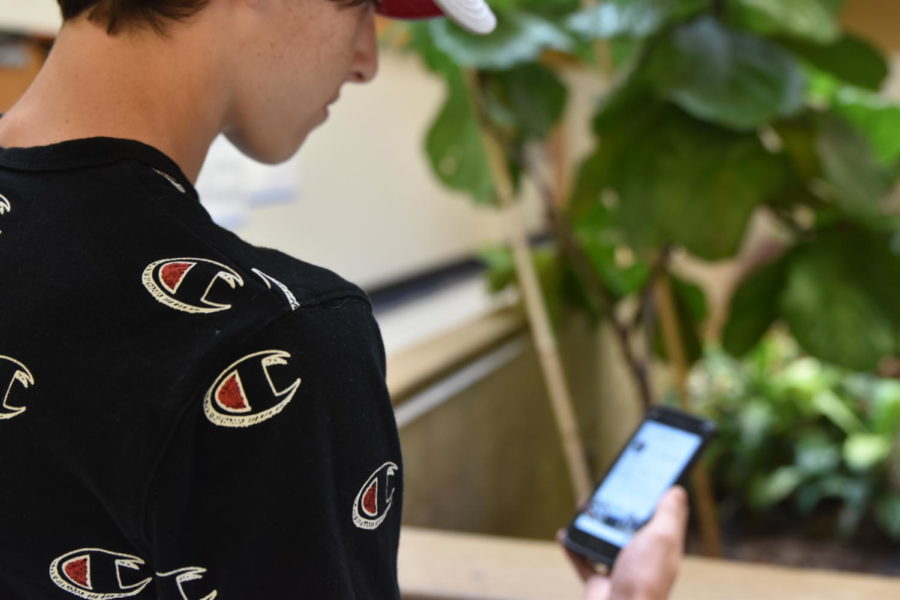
x: 183, y: 416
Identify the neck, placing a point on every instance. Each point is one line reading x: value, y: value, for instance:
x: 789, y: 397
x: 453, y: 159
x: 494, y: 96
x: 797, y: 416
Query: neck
x: 134, y: 85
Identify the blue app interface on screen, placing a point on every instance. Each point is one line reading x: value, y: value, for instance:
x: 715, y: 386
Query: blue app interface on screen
x: 628, y: 496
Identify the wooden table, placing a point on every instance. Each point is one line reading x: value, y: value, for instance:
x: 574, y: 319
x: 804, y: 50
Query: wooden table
x: 452, y: 566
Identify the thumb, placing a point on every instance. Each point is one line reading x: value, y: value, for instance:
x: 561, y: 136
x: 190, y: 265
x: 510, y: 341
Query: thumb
x: 672, y: 512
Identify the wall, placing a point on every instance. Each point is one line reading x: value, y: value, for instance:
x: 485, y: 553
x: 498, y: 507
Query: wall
x: 490, y: 459
x: 30, y: 16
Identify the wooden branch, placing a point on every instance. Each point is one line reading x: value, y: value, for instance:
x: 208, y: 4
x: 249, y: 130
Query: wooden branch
x: 535, y: 305
x: 601, y: 47
x: 703, y: 496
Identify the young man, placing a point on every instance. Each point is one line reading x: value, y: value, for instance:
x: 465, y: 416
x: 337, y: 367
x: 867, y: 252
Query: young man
x: 184, y: 416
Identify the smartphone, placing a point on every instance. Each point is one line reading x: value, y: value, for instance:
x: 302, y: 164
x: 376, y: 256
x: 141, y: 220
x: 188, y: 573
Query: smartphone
x: 659, y: 455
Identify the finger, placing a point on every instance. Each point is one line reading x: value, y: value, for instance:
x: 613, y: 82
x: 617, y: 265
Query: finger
x: 598, y: 588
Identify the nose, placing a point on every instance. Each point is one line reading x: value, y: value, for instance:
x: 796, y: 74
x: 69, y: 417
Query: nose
x: 365, y: 56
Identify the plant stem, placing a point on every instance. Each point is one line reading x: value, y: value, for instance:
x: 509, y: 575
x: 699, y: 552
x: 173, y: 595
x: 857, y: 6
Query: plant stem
x: 674, y: 343
x: 788, y: 221
x: 602, y: 53
x: 604, y: 299
x: 535, y: 305
x: 659, y: 268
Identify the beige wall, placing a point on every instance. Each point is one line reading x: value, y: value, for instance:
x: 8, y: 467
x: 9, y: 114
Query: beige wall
x: 30, y: 16
x: 490, y: 460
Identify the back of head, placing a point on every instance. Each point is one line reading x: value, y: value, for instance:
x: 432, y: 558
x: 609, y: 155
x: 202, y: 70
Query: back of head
x: 122, y: 14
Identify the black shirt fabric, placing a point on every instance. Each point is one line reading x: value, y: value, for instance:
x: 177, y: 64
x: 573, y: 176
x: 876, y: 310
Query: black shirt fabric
x: 183, y: 416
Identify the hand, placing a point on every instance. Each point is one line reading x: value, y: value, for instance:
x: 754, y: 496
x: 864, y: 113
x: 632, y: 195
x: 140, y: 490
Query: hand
x: 647, y: 567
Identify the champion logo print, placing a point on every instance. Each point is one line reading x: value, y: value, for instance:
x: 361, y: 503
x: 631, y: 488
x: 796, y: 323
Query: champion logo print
x: 5, y: 206
x: 246, y: 393
x: 269, y: 280
x: 376, y: 497
x: 13, y: 374
x: 171, y: 180
x: 97, y: 574
x: 191, y: 285
x: 185, y: 576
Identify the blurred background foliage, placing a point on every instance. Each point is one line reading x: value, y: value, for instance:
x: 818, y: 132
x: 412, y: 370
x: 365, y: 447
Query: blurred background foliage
x: 715, y: 113
x: 802, y: 440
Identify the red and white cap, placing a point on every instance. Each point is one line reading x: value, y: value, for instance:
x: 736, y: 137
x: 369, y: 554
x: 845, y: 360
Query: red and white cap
x: 474, y: 15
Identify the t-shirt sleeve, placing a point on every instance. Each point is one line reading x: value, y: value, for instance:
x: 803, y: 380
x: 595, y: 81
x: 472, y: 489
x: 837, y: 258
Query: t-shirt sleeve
x: 283, y: 480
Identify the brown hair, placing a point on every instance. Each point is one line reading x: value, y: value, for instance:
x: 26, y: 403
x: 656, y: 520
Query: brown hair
x: 116, y: 14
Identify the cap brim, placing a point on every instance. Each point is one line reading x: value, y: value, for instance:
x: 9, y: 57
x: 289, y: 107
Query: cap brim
x: 473, y: 15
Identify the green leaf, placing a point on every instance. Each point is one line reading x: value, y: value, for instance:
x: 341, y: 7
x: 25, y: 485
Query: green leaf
x: 874, y: 117
x: 815, y: 490
x: 754, y: 307
x: 422, y: 42
x: 805, y: 19
x: 775, y: 487
x: 804, y: 377
x: 857, y: 497
x: 681, y: 180
x: 836, y: 409
x: 850, y: 59
x: 551, y: 9
x: 726, y: 77
x: 834, y: 6
x: 633, y: 18
x: 590, y: 182
x: 885, y: 411
x: 849, y: 164
x: 863, y: 451
x: 887, y: 511
x: 755, y: 423
x: 455, y: 148
x: 519, y: 38
x: 841, y: 299
x: 500, y: 269
x: 633, y: 96
x: 530, y: 96
x: 816, y: 453
x: 623, y: 50
x: 605, y: 252
x: 798, y: 138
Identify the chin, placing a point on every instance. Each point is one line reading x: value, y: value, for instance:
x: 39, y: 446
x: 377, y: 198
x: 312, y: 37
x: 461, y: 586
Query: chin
x: 270, y: 152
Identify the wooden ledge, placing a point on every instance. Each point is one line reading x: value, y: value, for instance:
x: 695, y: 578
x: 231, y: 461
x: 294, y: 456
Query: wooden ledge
x: 453, y: 566
x: 412, y: 369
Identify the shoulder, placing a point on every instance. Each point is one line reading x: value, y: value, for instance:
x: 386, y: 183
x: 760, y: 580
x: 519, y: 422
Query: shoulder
x: 254, y: 269
x: 300, y: 283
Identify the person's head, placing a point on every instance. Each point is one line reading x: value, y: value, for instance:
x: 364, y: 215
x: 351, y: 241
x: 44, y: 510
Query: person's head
x: 280, y: 63
x: 474, y: 15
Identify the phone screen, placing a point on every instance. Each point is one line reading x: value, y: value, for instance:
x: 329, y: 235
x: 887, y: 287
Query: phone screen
x: 650, y: 464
